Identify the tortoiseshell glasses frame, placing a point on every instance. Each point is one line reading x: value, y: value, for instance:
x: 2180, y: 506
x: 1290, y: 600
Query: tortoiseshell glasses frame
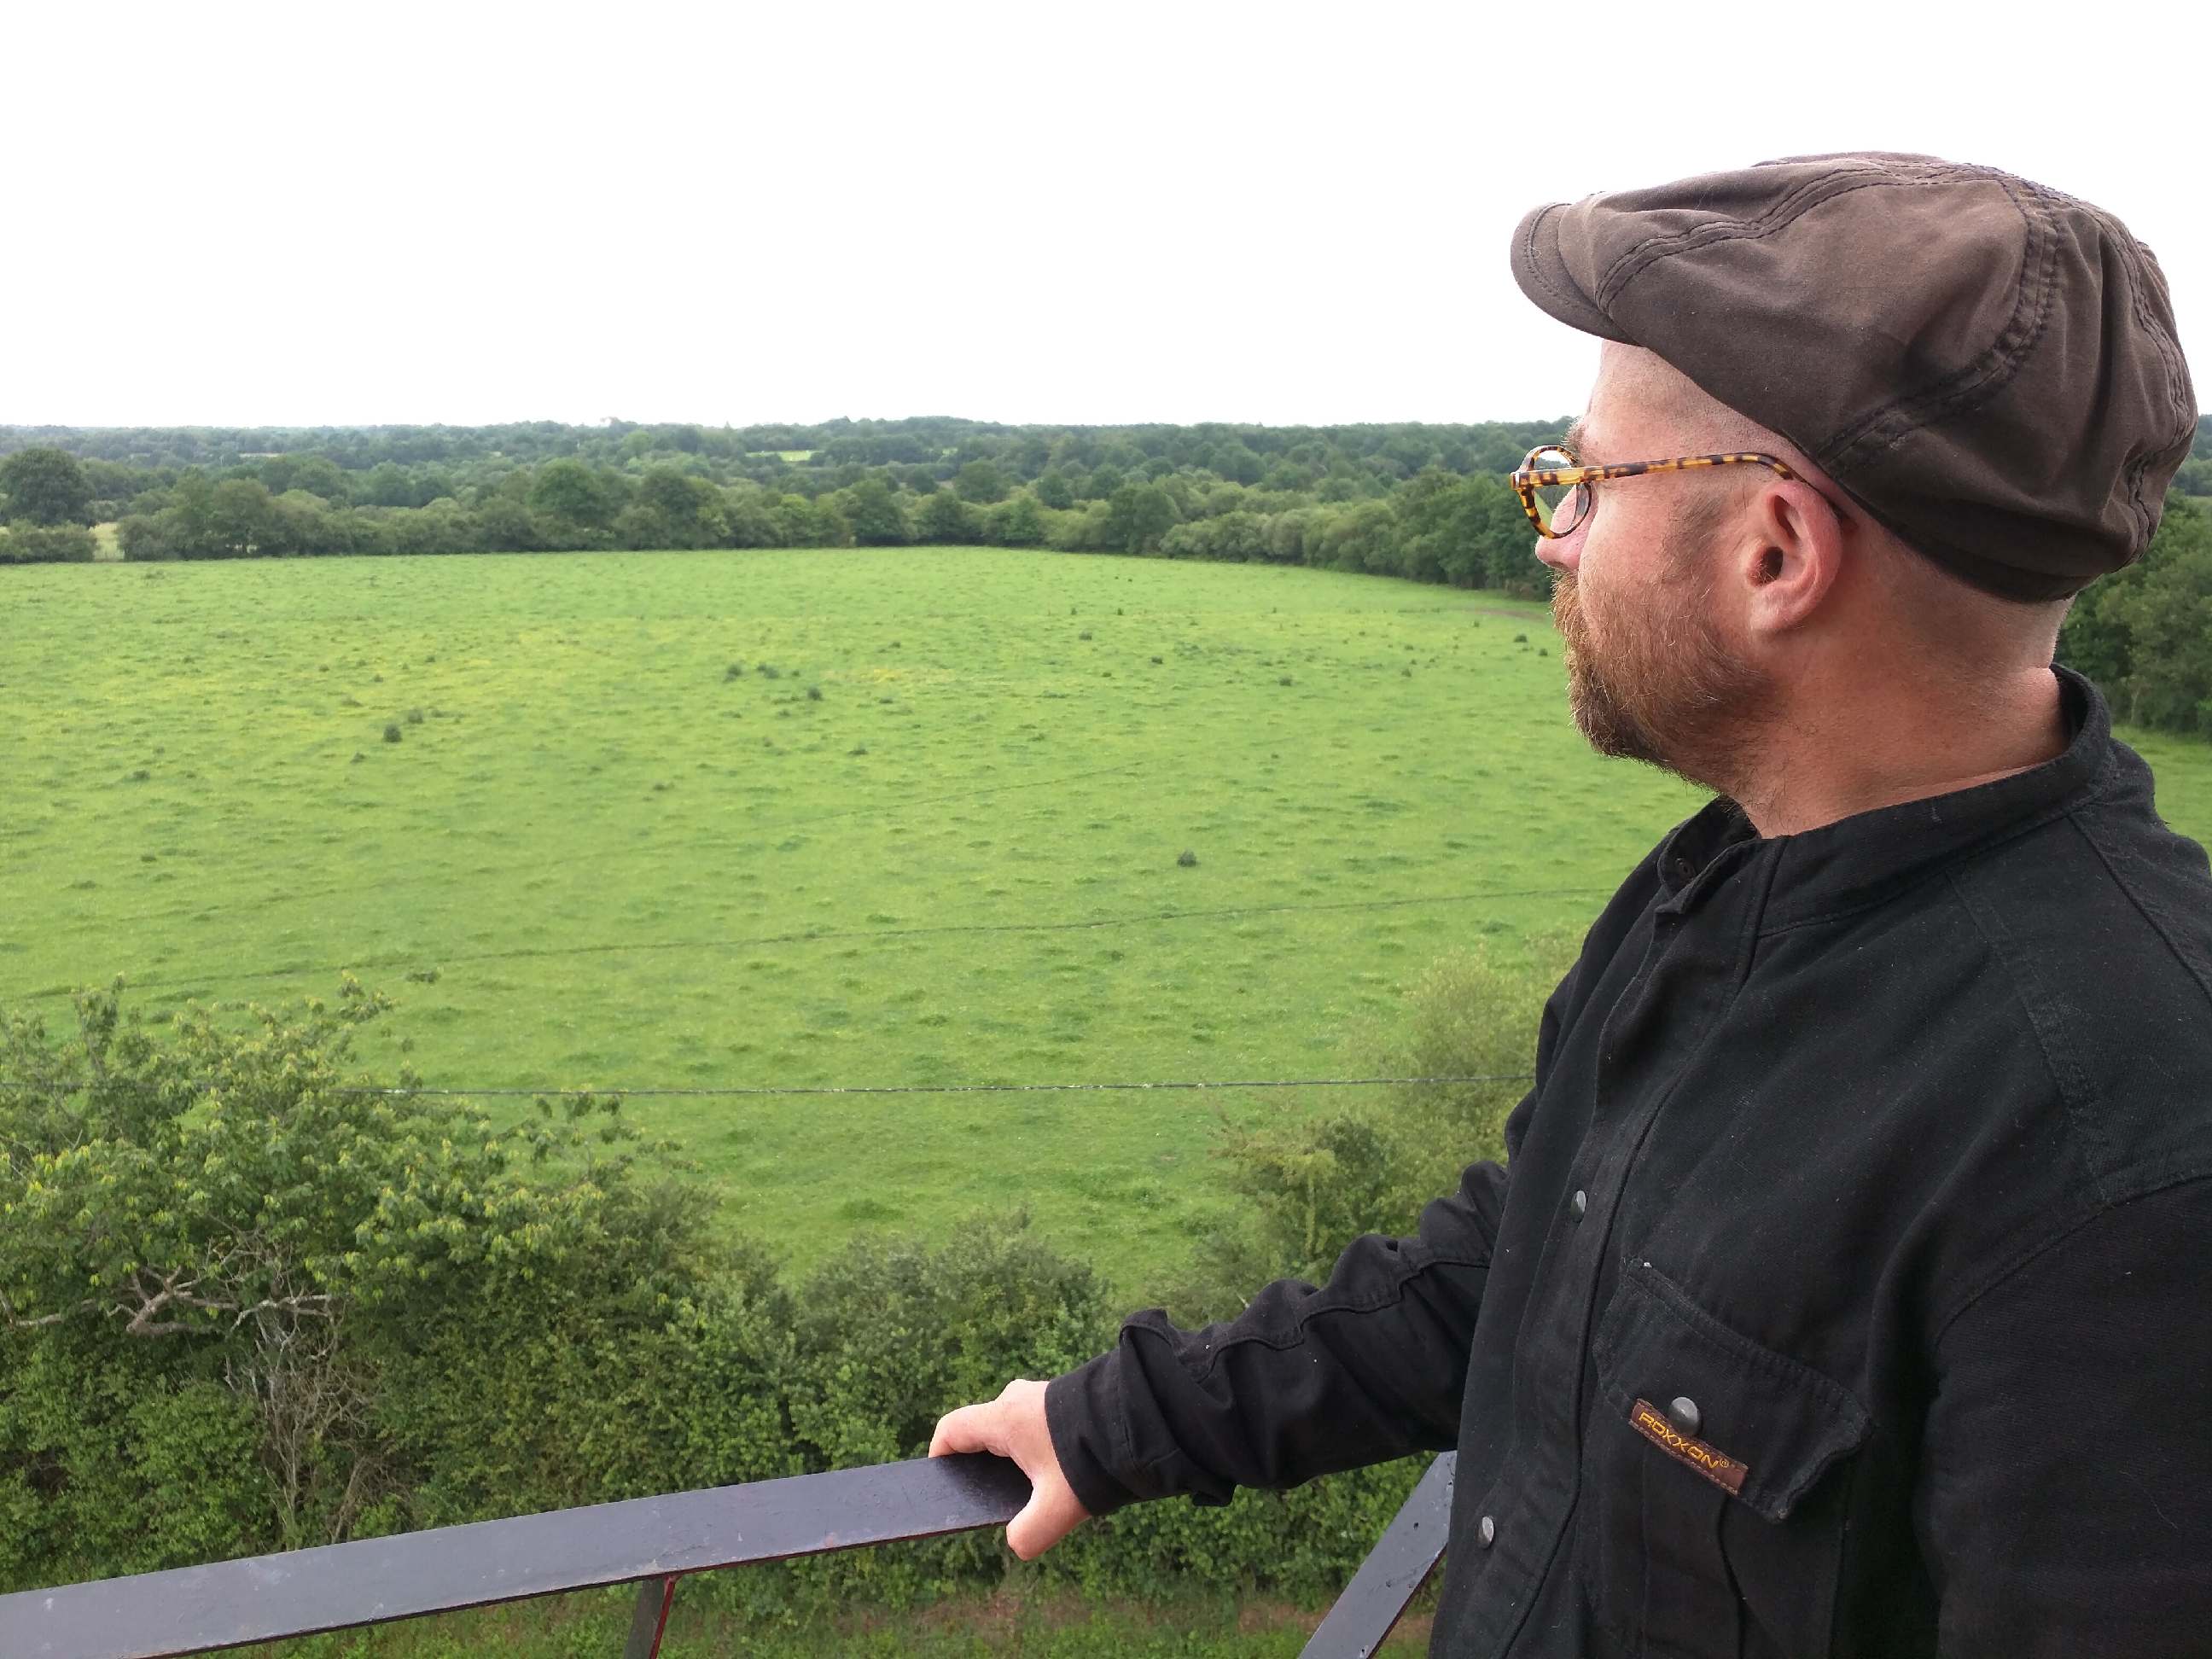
x: 1581, y: 481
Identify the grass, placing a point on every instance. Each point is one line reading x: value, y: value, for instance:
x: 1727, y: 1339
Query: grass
x: 1015, y: 1620
x: 599, y: 857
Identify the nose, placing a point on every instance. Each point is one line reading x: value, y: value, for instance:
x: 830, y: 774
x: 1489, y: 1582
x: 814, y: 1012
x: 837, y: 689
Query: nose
x: 1561, y: 552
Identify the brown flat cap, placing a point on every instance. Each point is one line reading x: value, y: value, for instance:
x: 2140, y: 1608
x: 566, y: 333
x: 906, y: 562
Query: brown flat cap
x: 1987, y: 366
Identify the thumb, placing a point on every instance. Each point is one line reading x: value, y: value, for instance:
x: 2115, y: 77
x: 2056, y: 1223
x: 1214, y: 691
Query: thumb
x: 1051, y: 1514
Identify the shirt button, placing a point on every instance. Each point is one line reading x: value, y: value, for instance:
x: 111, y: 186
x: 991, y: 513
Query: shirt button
x: 1579, y: 1203
x: 1684, y: 1412
x: 1486, y: 1532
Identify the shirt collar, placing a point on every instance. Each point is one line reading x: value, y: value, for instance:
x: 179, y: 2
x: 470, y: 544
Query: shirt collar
x: 1870, y: 856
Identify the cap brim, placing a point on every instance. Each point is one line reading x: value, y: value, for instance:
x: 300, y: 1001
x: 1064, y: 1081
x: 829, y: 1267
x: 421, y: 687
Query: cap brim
x: 1541, y: 269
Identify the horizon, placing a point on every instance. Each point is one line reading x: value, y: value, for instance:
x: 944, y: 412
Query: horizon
x: 724, y: 426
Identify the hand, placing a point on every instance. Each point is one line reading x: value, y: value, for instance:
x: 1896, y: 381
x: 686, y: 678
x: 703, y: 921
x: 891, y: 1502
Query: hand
x: 1013, y: 1425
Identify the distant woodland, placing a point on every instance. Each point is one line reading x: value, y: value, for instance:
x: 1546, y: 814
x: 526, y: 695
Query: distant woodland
x: 1428, y: 503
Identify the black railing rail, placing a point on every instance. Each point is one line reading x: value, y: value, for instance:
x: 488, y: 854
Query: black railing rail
x: 649, y: 1542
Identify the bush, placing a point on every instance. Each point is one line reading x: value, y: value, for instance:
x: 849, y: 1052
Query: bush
x: 447, y: 1318
x: 391, y: 732
x: 25, y: 542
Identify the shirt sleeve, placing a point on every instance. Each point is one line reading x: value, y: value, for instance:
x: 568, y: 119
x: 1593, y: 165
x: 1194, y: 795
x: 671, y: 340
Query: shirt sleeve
x: 1305, y: 1382
x: 2067, y: 1498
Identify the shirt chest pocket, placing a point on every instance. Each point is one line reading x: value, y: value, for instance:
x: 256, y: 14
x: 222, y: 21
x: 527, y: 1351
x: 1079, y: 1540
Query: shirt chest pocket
x: 1709, y: 1523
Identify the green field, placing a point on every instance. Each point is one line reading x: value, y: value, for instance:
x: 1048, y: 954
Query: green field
x: 627, y: 865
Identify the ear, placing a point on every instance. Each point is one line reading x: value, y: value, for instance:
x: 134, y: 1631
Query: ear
x: 1789, y: 565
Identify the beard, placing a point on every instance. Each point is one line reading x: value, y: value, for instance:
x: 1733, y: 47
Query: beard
x: 1665, y: 688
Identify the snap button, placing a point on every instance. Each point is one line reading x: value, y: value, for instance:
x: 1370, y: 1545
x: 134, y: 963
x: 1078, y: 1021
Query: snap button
x: 1579, y: 1203
x: 1486, y: 1532
x: 1684, y: 1412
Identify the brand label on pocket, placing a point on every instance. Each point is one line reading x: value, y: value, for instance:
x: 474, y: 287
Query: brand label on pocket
x: 1718, y: 1466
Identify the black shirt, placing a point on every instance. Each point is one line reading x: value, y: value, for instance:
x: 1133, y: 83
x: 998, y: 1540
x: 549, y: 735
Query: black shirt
x: 1850, y: 1287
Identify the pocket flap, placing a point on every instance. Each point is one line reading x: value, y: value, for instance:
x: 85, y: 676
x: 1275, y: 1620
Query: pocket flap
x: 1760, y: 1425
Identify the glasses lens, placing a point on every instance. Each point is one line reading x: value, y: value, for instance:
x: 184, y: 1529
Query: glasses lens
x: 1563, y: 506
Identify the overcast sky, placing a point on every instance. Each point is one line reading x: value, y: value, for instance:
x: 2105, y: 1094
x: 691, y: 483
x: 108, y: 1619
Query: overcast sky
x: 1281, y: 212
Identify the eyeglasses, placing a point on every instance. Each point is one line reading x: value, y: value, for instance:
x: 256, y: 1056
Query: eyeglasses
x: 1559, y: 493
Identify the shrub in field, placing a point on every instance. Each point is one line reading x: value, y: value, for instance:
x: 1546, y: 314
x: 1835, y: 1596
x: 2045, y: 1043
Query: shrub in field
x: 26, y: 543
x: 1314, y: 1186
x: 391, y: 732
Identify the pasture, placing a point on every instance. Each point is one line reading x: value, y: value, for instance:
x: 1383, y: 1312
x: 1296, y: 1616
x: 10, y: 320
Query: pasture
x: 805, y: 819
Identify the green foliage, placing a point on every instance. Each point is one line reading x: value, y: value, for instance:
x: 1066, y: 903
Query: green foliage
x: 46, y: 486
x: 1018, y: 521
x: 2145, y: 633
x: 26, y: 543
x: 579, y: 496
x: 948, y: 519
x: 877, y: 518
x: 1138, y: 517
x: 252, y: 1301
x: 230, y: 1210
x: 981, y: 482
x: 1317, y: 1184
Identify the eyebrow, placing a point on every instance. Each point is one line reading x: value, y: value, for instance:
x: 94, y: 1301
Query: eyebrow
x: 1577, y: 437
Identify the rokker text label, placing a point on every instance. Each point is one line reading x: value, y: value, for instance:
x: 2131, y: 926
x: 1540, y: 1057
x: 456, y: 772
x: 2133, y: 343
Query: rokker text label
x: 1723, y: 1471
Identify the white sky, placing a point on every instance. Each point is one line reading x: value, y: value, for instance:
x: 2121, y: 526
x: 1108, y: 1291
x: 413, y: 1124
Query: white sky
x: 1045, y: 211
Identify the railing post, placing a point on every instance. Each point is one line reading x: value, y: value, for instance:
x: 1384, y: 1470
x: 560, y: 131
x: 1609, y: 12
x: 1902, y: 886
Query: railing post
x: 1400, y: 1563
x: 650, y: 1620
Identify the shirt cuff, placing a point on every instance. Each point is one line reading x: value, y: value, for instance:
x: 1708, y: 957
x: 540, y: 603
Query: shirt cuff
x: 1083, y: 1412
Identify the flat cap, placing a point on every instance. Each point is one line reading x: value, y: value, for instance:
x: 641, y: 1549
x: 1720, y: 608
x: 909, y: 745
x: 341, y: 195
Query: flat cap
x: 1987, y: 366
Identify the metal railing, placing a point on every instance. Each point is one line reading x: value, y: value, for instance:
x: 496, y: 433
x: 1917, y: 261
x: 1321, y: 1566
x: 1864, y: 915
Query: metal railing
x: 649, y: 1542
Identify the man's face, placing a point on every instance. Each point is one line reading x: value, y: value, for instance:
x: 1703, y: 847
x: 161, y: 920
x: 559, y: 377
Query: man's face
x: 1652, y: 672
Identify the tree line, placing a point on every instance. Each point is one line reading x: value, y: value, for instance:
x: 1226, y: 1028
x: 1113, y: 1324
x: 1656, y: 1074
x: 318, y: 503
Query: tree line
x: 1428, y: 503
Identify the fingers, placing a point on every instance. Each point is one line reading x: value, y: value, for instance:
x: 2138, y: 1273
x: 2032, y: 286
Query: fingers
x: 1013, y: 1425
x: 968, y: 1429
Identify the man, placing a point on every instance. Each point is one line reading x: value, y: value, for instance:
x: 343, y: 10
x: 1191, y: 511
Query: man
x: 1849, y: 1288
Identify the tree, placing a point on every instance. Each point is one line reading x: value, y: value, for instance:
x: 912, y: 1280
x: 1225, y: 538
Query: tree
x: 1138, y: 516
x: 387, y: 485
x: 980, y: 481
x: 46, y: 486
x: 947, y: 520
x: 240, y: 518
x: 674, y: 509
x: 1016, y: 522
x: 1053, y: 490
x: 570, y: 490
x: 877, y: 517
x: 747, y: 519
x: 2145, y: 633
x: 504, y: 526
